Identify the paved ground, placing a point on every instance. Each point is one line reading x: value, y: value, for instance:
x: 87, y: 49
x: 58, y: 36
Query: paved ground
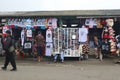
x: 91, y: 69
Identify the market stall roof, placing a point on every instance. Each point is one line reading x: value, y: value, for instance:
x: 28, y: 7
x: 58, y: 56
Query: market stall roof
x: 81, y: 13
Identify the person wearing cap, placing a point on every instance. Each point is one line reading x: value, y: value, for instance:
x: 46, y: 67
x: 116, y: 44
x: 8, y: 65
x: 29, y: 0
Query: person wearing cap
x: 9, y: 56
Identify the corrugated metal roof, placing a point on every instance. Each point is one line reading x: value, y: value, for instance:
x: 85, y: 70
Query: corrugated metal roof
x: 64, y: 13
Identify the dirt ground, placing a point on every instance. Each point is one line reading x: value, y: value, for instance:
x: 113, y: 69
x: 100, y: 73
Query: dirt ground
x: 92, y: 69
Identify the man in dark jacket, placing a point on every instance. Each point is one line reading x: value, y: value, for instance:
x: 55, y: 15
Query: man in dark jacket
x: 9, y: 56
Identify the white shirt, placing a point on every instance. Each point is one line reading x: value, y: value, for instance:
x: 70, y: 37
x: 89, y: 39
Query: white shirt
x: 29, y: 33
x: 49, y: 47
x: 54, y: 23
x: 83, y: 32
x: 22, y: 37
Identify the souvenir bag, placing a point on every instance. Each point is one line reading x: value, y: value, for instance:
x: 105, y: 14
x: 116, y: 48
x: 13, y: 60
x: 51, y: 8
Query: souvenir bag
x: 12, y: 47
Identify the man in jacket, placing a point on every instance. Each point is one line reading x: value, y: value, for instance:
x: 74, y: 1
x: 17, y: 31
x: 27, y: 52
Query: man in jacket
x: 9, y: 56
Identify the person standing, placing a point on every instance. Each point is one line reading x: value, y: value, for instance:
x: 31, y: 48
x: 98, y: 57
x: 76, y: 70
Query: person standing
x: 9, y: 56
x: 40, y: 42
x: 97, y: 46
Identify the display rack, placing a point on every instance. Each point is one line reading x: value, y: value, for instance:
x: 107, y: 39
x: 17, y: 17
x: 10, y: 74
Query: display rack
x: 62, y: 39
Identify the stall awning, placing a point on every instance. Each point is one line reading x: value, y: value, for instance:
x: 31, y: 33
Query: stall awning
x: 78, y: 13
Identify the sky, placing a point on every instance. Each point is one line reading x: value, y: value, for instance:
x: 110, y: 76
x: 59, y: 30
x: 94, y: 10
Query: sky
x: 53, y: 5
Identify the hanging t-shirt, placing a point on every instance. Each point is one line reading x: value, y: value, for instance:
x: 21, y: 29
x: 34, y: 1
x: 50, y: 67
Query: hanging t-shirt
x: 41, y: 22
x: 22, y: 37
x: 91, y: 23
x: 83, y: 32
x: 4, y: 29
x: 49, y: 47
x: 29, y: 33
x: 28, y: 22
x: 49, y: 22
x: 49, y: 36
x: 54, y: 23
x: 87, y: 22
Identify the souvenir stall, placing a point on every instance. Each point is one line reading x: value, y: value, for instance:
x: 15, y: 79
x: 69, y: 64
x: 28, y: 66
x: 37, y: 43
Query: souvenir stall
x: 67, y: 39
x: 29, y: 27
x: 57, y: 38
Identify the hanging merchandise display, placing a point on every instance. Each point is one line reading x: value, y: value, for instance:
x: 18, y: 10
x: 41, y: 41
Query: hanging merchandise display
x: 49, y: 44
x: 29, y: 33
x: 49, y: 48
x: 49, y: 35
x: 28, y: 23
x: 27, y: 47
x: 56, y: 41
x: 109, y: 37
x: 41, y: 22
x: 22, y: 37
x: 54, y: 23
x: 83, y: 32
x: 70, y: 42
x: 51, y: 22
x: 66, y: 40
x: 4, y: 29
x: 31, y: 23
x: 92, y: 23
x: 83, y: 46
